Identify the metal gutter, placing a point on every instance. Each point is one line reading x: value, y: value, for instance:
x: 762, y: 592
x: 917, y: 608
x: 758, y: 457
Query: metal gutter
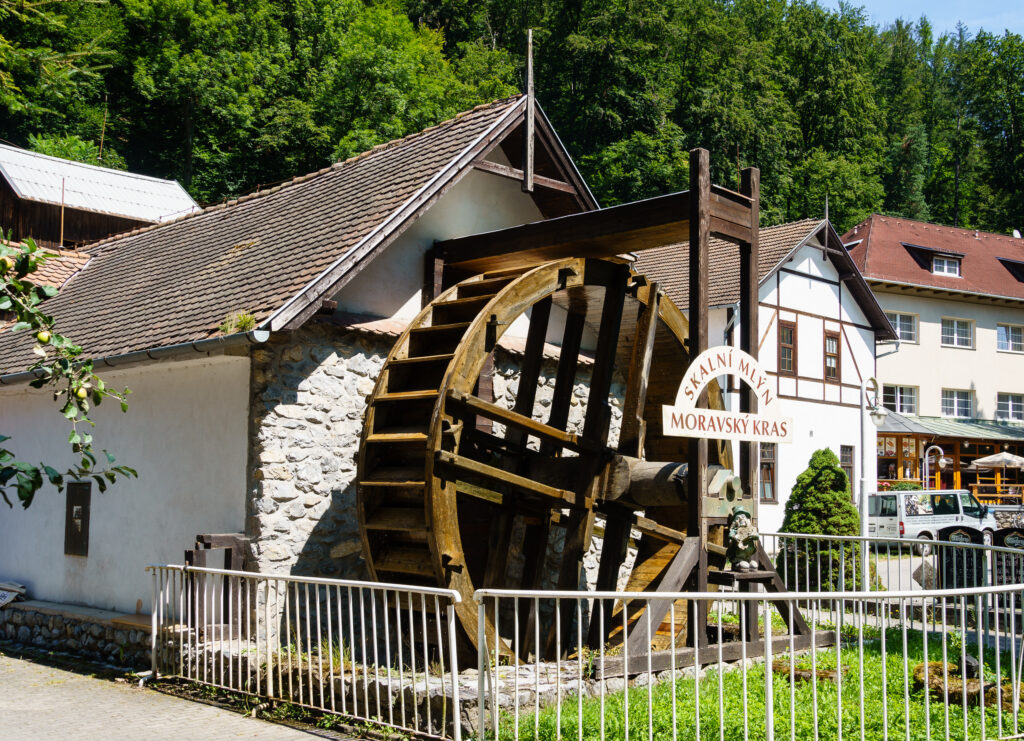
x: 205, y: 347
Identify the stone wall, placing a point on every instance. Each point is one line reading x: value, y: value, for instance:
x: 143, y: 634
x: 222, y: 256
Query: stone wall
x: 84, y: 631
x: 309, y: 393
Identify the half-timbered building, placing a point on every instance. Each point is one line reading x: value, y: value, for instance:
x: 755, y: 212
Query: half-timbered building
x: 818, y: 325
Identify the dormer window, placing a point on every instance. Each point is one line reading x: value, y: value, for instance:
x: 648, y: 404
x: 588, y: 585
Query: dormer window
x: 946, y: 265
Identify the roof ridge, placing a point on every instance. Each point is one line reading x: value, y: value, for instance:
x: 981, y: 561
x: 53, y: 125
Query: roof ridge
x: 937, y: 225
x: 105, y: 242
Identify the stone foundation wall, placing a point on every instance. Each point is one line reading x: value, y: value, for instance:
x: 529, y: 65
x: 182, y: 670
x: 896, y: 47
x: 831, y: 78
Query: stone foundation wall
x: 309, y: 393
x: 90, y: 633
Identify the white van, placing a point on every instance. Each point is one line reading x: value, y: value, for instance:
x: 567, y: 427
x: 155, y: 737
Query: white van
x: 921, y: 514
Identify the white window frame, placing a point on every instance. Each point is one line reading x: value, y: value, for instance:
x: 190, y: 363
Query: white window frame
x: 1009, y: 329
x: 946, y: 265
x: 1014, y: 404
x: 894, y: 318
x: 956, y: 334
x: 956, y: 397
x: 899, y: 398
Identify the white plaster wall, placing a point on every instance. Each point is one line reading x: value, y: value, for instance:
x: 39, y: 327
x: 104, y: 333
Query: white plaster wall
x: 185, y: 432
x: 815, y: 426
x: 390, y: 286
x: 931, y: 367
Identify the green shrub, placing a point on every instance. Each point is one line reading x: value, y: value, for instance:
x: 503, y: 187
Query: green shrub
x: 819, y: 504
x: 905, y: 486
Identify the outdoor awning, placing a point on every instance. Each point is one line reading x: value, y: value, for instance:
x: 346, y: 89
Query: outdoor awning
x: 966, y: 429
x: 898, y: 424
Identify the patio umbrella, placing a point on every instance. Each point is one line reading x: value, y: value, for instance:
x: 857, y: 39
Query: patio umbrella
x: 999, y: 460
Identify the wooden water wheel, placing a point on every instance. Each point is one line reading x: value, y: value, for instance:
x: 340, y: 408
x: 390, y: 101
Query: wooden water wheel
x: 446, y: 474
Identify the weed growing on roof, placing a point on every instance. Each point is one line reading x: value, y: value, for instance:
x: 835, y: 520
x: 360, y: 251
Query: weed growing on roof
x: 239, y: 321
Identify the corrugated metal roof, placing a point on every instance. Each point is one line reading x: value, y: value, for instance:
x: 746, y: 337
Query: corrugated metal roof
x: 39, y: 177
x: 972, y: 429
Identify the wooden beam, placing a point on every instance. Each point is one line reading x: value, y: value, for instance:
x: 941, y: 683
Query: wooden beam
x: 687, y: 558
x: 514, y: 173
x: 699, y: 223
x: 478, y: 406
x: 630, y: 227
x: 504, y: 479
x: 750, y: 184
x: 604, y: 233
x: 631, y: 436
x: 531, y: 113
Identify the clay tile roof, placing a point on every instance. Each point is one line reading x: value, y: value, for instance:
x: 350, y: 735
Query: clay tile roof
x: 896, y: 250
x: 58, y: 269
x: 669, y: 265
x: 177, y: 282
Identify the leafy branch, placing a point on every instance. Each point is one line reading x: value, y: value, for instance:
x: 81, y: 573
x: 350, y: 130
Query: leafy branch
x: 59, y: 364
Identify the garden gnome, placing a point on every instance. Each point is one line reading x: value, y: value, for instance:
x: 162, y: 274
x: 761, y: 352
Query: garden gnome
x: 743, y: 540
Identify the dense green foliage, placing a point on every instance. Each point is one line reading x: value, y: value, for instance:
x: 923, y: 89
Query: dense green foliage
x: 228, y: 96
x: 820, y: 500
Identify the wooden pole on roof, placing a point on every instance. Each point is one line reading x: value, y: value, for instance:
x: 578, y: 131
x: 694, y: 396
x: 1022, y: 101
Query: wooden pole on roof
x: 528, y: 128
x: 61, y: 245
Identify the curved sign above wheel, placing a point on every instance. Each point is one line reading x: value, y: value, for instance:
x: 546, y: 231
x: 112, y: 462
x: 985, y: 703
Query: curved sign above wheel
x: 686, y: 419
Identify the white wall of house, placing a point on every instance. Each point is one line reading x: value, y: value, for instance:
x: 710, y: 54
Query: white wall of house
x: 982, y: 369
x: 185, y: 432
x: 806, y: 291
x: 391, y: 285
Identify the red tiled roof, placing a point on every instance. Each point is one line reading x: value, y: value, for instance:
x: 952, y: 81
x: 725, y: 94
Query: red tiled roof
x: 177, y: 282
x: 882, y: 254
x: 55, y: 271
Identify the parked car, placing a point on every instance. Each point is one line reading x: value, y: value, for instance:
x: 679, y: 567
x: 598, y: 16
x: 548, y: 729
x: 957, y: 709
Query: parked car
x: 921, y: 514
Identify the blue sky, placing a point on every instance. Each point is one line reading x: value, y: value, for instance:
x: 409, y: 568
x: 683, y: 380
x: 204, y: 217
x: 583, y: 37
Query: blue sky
x: 993, y: 15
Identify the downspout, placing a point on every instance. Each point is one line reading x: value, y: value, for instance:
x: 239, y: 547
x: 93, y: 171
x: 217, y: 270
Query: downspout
x: 205, y: 347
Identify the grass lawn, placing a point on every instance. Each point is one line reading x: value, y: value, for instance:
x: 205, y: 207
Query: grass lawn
x: 793, y: 708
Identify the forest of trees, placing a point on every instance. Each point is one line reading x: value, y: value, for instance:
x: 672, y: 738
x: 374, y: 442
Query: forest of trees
x: 228, y: 96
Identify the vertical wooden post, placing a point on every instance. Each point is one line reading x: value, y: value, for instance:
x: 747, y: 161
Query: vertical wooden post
x: 696, y: 475
x: 528, y: 124
x: 750, y: 186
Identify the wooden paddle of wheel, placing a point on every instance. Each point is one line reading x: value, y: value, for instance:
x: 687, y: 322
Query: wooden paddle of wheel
x: 458, y: 490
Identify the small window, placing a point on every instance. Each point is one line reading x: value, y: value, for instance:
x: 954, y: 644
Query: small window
x: 832, y: 356
x: 1010, y: 406
x: 905, y: 326
x: 900, y: 399
x: 787, y: 348
x: 846, y: 462
x: 768, y: 490
x: 956, y: 403
x: 943, y: 265
x: 1009, y: 338
x: 76, y: 519
x: 957, y: 333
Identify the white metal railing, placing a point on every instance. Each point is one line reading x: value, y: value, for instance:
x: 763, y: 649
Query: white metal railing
x: 374, y: 652
x: 899, y: 661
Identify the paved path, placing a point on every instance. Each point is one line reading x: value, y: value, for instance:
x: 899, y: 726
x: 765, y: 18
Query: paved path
x: 39, y: 702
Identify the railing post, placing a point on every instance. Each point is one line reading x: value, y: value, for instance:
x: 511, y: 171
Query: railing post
x: 481, y: 666
x: 453, y: 658
x: 152, y: 634
x: 769, y: 702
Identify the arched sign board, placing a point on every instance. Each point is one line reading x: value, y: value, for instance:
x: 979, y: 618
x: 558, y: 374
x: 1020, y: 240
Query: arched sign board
x: 685, y: 419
